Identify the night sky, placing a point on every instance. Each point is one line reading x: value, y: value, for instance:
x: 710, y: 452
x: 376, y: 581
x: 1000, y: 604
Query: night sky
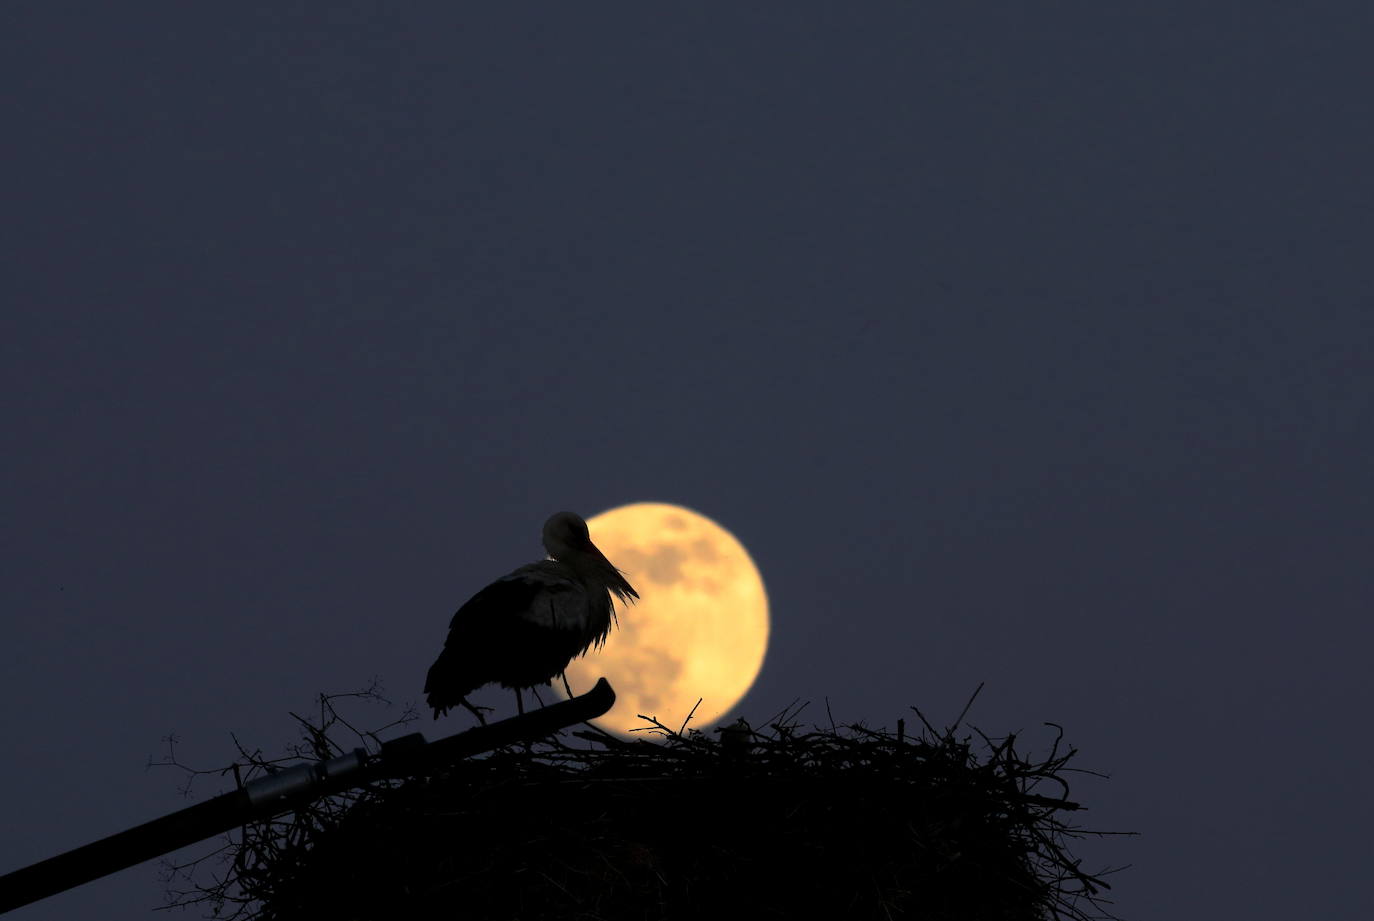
x: 1020, y: 343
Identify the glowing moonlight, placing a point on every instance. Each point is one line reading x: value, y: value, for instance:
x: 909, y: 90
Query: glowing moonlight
x: 700, y: 629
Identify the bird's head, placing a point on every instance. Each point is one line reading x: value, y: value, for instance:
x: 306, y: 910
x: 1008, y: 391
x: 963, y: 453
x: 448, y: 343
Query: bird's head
x: 566, y: 535
x: 567, y: 540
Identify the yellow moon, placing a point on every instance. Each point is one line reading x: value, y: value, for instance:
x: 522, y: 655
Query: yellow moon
x: 698, y: 631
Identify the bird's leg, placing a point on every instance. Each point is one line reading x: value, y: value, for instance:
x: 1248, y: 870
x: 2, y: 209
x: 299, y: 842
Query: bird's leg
x: 476, y: 711
x: 566, y: 687
x: 520, y: 704
x: 535, y: 692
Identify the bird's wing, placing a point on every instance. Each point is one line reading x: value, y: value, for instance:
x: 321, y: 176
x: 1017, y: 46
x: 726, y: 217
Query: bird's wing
x: 521, y: 630
x: 527, y: 593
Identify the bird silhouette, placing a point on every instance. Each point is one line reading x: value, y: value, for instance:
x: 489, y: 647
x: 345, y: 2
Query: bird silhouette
x: 523, y: 629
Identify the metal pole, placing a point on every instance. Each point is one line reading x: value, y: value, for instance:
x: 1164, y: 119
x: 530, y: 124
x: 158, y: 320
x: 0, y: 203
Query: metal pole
x: 279, y: 792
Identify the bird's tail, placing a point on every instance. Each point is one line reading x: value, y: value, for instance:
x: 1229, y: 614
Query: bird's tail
x: 447, y: 684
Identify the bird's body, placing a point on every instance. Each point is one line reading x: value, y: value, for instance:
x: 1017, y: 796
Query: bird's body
x: 523, y: 629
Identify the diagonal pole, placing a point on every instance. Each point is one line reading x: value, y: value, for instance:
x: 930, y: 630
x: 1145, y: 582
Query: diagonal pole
x: 283, y: 791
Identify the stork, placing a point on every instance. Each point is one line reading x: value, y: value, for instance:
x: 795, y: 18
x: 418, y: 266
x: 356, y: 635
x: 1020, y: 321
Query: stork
x: 524, y: 628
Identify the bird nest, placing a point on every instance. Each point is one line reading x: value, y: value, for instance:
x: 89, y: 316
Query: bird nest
x: 841, y: 821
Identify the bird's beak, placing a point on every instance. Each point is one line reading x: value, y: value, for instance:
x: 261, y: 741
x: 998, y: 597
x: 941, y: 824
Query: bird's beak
x: 616, y: 579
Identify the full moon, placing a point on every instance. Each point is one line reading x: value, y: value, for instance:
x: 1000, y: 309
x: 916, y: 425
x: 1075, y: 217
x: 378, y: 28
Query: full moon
x: 699, y: 630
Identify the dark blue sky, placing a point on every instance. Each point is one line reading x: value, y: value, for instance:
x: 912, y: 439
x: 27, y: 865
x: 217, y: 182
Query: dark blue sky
x: 1020, y: 343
